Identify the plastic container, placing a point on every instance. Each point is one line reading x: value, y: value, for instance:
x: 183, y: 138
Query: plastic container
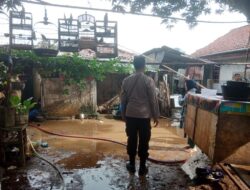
x: 237, y: 84
x: 237, y: 93
x: 208, y: 92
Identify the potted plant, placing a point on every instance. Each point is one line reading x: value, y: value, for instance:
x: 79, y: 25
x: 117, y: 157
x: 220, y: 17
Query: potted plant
x: 22, y: 109
x: 7, y: 114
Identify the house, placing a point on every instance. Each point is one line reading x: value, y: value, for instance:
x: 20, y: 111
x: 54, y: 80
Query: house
x: 231, y: 53
x: 123, y: 56
x: 180, y: 62
x: 174, y: 66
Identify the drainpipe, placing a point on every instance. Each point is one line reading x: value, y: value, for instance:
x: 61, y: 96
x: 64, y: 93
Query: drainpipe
x: 247, y: 55
x: 245, y: 73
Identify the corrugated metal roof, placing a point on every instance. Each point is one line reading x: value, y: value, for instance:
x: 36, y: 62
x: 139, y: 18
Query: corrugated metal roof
x: 167, y: 55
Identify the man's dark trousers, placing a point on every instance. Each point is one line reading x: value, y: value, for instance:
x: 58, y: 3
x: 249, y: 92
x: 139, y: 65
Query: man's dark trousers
x: 138, y: 127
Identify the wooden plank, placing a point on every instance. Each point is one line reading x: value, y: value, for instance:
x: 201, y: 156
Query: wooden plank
x: 243, y: 173
x: 240, y: 184
x: 190, y: 121
x: 223, y: 138
x: 233, y: 139
x: 205, y: 131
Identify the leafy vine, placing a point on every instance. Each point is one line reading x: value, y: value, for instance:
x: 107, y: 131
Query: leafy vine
x: 71, y: 69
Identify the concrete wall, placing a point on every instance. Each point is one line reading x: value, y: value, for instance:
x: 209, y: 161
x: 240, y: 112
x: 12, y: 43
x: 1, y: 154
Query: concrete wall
x: 55, y: 103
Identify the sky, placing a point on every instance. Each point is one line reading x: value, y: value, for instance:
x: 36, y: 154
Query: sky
x: 139, y: 34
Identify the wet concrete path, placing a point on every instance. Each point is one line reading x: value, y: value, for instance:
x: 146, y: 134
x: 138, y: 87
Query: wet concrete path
x: 94, y: 165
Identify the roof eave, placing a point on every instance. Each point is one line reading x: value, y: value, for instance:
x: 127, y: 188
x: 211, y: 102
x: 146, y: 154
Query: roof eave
x: 225, y: 52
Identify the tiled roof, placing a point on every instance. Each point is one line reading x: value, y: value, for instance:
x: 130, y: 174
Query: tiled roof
x: 122, y: 54
x: 236, y: 39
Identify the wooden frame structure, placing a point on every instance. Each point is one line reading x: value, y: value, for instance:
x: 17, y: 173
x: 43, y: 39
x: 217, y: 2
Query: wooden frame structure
x: 68, y: 35
x: 106, y: 36
x: 87, y: 32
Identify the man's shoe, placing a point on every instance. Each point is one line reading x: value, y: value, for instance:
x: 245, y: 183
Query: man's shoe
x: 143, y: 171
x: 130, y: 168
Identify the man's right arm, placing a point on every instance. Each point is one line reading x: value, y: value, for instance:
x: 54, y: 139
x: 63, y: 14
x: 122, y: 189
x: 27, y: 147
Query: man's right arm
x: 154, y: 105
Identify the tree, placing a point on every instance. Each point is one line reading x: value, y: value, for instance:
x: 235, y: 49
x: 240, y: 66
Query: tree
x: 188, y: 9
x: 9, y: 4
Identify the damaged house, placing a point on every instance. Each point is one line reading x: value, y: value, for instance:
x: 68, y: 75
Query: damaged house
x: 231, y: 54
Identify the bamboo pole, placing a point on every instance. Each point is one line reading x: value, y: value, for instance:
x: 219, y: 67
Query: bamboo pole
x: 174, y: 71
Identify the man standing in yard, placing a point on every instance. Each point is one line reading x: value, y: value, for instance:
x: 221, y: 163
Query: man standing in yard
x: 139, y: 104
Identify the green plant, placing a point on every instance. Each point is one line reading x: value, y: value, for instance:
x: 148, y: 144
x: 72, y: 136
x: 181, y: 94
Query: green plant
x: 3, y: 76
x: 21, y: 107
x: 9, y: 4
x: 189, y: 11
x: 71, y: 69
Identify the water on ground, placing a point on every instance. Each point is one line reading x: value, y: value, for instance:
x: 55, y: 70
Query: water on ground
x: 99, y: 165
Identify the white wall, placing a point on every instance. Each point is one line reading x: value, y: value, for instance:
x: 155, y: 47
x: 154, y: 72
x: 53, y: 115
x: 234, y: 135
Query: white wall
x: 227, y: 71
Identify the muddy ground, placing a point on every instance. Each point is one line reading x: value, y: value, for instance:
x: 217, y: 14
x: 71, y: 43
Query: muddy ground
x: 100, y: 165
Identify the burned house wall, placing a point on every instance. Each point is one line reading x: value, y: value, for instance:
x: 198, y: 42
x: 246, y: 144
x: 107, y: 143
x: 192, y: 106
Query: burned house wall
x: 56, y: 103
x: 109, y: 87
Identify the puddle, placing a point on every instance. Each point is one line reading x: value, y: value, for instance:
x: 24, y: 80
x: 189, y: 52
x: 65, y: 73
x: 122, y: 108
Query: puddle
x: 36, y: 175
x: 80, y: 160
x: 111, y: 174
x: 164, y: 138
x: 94, y: 165
x: 91, y: 164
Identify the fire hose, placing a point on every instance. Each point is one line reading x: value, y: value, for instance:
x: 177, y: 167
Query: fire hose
x: 51, y: 164
x: 88, y: 138
x: 107, y: 140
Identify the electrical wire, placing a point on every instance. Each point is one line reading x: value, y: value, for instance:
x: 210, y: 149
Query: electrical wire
x: 51, y: 164
x: 150, y: 58
x: 139, y: 14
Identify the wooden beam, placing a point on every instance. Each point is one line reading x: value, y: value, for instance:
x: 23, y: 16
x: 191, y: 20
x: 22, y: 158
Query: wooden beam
x: 185, y: 77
